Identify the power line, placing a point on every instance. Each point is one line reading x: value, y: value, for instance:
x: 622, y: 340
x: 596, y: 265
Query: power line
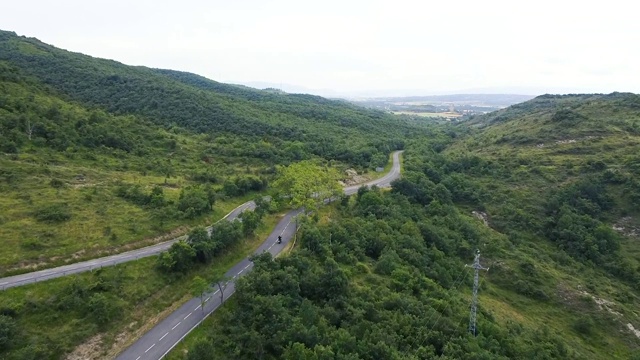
x: 474, y: 300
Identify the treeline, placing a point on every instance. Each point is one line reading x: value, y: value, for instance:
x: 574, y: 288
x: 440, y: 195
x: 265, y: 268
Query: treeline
x: 333, y: 130
x: 203, y: 245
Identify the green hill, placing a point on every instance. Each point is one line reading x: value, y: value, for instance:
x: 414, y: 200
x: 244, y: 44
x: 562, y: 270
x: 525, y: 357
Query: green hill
x: 98, y: 157
x: 547, y: 190
x: 329, y: 129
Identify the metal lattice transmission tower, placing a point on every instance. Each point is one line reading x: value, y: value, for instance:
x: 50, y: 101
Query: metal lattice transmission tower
x: 474, y: 300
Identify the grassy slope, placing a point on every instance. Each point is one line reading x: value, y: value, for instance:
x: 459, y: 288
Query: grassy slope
x: 543, y: 146
x: 100, y: 221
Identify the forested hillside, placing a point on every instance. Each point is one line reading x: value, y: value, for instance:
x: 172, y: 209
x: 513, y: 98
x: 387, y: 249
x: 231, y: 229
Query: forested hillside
x: 98, y: 157
x: 547, y: 190
x: 260, y: 124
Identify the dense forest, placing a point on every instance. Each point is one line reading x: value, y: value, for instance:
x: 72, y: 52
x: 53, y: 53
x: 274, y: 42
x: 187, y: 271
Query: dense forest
x: 382, y: 276
x: 274, y: 127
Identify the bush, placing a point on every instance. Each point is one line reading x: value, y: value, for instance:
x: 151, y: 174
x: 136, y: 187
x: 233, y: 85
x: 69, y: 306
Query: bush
x: 8, y: 331
x: 584, y: 325
x: 193, y: 201
x: 103, y: 308
x: 56, y: 183
x: 55, y: 213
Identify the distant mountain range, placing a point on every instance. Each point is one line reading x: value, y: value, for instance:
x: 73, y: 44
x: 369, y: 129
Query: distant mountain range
x: 528, y: 92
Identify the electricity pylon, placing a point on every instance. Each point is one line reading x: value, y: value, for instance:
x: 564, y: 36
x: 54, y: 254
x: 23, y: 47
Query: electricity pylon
x: 474, y: 300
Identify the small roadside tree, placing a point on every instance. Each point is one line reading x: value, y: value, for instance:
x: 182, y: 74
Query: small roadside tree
x: 199, y: 287
x: 250, y: 221
x: 221, y: 282
x: 201, y: 242
x: 178, y: 259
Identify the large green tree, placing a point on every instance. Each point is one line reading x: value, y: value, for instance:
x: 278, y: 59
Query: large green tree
x: 306, y: 184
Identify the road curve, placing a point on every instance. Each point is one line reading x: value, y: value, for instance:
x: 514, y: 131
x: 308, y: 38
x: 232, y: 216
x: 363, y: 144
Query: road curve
x: 47, y: 274
x: 162, y: 338
x: 43, y: 275
x: 384, y: 181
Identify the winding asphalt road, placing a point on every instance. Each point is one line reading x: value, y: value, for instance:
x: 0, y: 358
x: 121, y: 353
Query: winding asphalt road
x: 156, y: 343
x: 162, y: 338
x: 42, y: 275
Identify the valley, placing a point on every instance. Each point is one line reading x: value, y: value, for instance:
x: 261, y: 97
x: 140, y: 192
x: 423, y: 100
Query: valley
x: 116, y: 182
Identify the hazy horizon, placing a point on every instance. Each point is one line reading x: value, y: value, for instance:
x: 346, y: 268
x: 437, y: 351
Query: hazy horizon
x: 356, y: 48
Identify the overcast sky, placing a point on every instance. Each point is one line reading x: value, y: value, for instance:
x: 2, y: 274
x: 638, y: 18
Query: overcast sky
x: 358, y: 47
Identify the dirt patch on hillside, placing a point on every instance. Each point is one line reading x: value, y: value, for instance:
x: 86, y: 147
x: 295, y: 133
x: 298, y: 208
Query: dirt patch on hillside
x: 627, y: 227
x: 90, y: 350
x: 482, y: 216
x: 353, y: 178
x: 581, y: 299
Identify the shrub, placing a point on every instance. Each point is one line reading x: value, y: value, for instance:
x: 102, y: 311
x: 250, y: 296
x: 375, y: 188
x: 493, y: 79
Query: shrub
x: 56, y: 183
x: 584, y: 325
x: 193, y: 201
x: 8, y: 331
x: 55, y: 213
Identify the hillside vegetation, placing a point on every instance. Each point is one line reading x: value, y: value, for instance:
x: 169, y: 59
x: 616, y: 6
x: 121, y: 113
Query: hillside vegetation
x: 97, y: 157
x: 289, y: 126
x: 382, y: 276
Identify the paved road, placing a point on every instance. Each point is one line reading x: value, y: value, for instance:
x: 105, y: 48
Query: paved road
x: 160, y: 340
x: 384, y: 181
x: 42, y: 275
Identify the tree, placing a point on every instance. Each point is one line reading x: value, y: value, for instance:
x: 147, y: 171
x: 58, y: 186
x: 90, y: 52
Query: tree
x: 193, y: 201
x: 307, y: 185
x: 211, y: 196
x: 201, y: 242
x: 179, y: 258
x: 199, y: 287
x: 156, y: 198
x: 201, y: 350
x: 250, y: 221
x: 221, y: 282
x: 263, y: 205
x: 225, y: 233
